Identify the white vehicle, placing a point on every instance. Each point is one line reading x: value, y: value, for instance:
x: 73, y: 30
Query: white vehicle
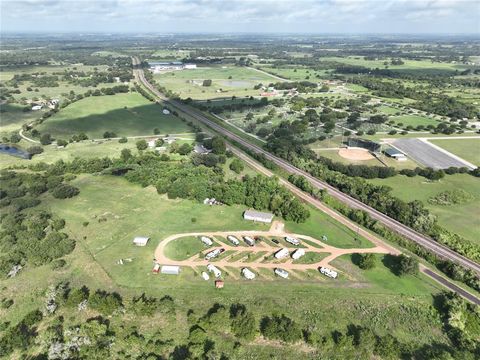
x: 247, y: 274
x: 249, y: 241
x: 215, y: 270
x: 205, y: 276
x: 297, y: 254
x: 292, y: 240
x: 206, y: 240
x: 281, y: 254
x: 282, y: 273
x: 329, y: 272
x: 233, y: 240
x: 213, y: 254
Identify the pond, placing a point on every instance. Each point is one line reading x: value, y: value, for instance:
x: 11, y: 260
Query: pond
x: 14, y: 151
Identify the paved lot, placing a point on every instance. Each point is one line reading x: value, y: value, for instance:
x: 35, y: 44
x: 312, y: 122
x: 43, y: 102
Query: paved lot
x: 425, y: 154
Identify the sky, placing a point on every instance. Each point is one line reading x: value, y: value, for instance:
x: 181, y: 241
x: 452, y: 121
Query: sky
x: 242, y: 16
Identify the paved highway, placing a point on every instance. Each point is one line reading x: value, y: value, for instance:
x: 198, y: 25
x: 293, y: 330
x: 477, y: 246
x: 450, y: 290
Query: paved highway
x: 425, y: 241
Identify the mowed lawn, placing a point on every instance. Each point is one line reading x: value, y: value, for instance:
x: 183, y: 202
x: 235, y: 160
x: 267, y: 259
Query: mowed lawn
x: 462, y: 219
x: 414, y: 120
x: 125, y: 114
x: 468, y: 149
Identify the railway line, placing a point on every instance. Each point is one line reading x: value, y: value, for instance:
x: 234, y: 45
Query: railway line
x: 425, y: 241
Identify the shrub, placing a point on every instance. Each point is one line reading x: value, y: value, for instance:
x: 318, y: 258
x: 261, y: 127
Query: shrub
x: 123, y: 140
x: 142, y: 144
x: 45, y: 139
x: 237, y: 166
x: 34, y: 150
x: 280, y: 328
x: 366, y: 261
x: 64, y: 191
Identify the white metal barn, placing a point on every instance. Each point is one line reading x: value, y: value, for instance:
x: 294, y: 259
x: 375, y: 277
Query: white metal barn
x: 258, y: 216
x: 141, y: 240
x: 280, y: 254
x: 170, y: 270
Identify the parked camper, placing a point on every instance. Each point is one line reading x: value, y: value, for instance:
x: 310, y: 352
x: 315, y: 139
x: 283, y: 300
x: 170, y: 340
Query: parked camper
x: 206, y: 240
x: 292, y: 240
x: 233, y: 240
x: 282, y: 273
x: 205, y: 276
x: 329, y: 272
x: 247, y: 274
x: 215, y: 270
x: 297, y: 254
x: 156, y: 268
x: 213, y: 254
x: 249, y: 241
x: 170, y: 270
x: 281, y: 254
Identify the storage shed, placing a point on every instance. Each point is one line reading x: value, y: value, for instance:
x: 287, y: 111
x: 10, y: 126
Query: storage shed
x: 219, y: 284
x: 140, y: 240
x: 170, y: 270
x: 258, y: 216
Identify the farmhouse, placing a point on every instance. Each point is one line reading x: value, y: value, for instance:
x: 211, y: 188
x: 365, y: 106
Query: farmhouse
x: 200, y: 149
x: 157, y: 67
x: 258, y: 216
x: 140, y: 240
x: 395, y: 154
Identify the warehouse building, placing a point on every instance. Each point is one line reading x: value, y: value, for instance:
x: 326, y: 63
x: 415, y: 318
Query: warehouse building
x: 395, y: 154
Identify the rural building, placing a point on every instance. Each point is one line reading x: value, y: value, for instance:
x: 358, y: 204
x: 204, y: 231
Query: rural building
x: 219, y: 284
x: 37, y: 107
x: 166, y: 111
x: 200, y: 149
x: 189, y: 66
x: 170, y: 270
x: 140, y: 240
x: 395, y: 154
x: 156, y: 268
x: 258, y: 216
x: 157, y: 67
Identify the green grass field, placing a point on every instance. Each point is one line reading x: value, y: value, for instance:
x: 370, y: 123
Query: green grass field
x: 184, y: 248
x: 414, y: 120
x: 13, y: 117
x: 458, y: 218
x: 125, y: 114
x: 468, y: 149
x: 227, y: 81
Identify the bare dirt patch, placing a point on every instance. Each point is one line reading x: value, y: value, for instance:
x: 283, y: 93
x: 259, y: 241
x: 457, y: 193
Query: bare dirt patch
x: 355, y: 154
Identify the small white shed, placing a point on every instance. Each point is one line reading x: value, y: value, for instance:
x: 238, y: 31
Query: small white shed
x: 170, y: 270
x: 141, y: 240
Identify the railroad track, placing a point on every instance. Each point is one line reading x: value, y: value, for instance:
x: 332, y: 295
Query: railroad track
x: 425, y: 241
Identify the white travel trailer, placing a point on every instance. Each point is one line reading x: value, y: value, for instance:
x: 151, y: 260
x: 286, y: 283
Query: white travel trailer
x: 292, y: 240
x: 233, y: 240
x: 282, y: 273
x: 249, y: 241
x: 329, y: 272
x: 281, y: 254
x: 213, y: 254
x: 206, y: 240
x: 247, y: 274
x: 213, y: 269
x: 205, y: 276
x: 297, y: 254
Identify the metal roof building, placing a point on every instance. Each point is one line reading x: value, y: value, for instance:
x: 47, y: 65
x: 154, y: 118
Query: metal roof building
x: 141, y: 240
x: 258, y: 216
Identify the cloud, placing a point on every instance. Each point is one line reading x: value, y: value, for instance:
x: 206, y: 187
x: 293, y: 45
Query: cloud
x: 241, y: 15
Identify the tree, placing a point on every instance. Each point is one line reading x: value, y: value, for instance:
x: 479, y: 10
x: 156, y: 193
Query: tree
x: 46, y: 139
x: 142, y: 144
x: 159, y: 143
x: 109, y: 134
x: 237, y: 165
x: 123, y: 140
x: 367, y: 261
x: 218, y: 145
x: 125, y: 155
x: 185, y: 149
x: 34, y: 150
x: 61, y: 142
x: 15, y: 138
x: 243, y: 323
x: 281, y: 328
x: 406, y: 265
